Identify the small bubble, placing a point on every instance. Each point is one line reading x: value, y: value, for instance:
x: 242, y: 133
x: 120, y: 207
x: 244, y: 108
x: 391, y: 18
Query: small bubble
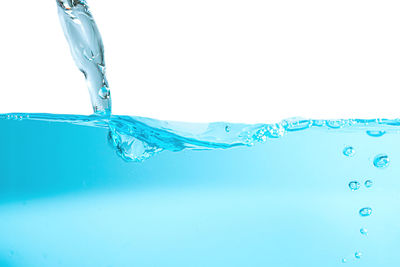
x: 318, y: 123
x: 381, y: 161
x: 335, y: 124
x: 349, y: 151
x: 368, y: 183
x: 364, y: 231
x: 104, y: 93
x: 376, y: 133
x: 354, y: 185
x: 227, y: 128
x: 364, y: 212
x: 358, y: 255
x: 344, y: 260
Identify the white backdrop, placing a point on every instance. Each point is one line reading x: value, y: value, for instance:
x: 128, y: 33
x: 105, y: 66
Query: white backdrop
x: 211, y: 60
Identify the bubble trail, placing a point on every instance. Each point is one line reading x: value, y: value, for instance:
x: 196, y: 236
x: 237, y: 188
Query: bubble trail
x: 87, y: 49
x: 381, y: 161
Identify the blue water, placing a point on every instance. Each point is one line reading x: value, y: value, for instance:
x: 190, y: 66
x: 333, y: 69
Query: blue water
x: 217, y: 194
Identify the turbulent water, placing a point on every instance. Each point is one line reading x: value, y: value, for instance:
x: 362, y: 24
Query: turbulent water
x: 137, y: 138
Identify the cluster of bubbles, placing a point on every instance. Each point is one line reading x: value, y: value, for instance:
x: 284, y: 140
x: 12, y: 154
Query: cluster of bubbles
x: 380, y: 161
x: 265, y: 131
x: 16, y: 117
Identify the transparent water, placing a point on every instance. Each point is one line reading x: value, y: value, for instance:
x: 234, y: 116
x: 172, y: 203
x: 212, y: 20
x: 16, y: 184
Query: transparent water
x: 87, y: 50
x: 108, y: 190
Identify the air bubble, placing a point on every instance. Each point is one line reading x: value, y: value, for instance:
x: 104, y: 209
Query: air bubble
x: 344, y: 260
x: 364, y: 212
x: 349, y: 151
x: 368, y: 183
x: 227, y: 128
x: 377, y: 133
x: 381, y: 161
x: 354, y: 185
x: 364, y: 231
x: 358, y: 255
x: 104, y: 93
x: 318, y: 123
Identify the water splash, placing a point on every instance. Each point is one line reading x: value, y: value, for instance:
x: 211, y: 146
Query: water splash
x: 137, y: 138
x: 87, y: 49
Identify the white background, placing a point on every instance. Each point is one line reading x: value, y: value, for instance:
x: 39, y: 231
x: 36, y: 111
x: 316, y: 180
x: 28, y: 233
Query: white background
x: 211, y: 60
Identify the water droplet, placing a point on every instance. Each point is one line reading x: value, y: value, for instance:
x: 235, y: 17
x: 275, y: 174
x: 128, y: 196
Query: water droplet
x: 381, y: 161
x: 227, y: 128
x: 349, y: 151
x: 104, y: 93
x: 344, y: 260
x: 368, y: 183
x: 358, y: 255
x: 364, y: 212
x: 364, y: 231
x: 377, y: 133
x: 354, y: 185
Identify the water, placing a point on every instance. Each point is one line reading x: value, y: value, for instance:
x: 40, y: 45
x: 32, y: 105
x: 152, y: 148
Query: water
x: 201, y: 197
x: 87, y: 49
x: 109, y: 190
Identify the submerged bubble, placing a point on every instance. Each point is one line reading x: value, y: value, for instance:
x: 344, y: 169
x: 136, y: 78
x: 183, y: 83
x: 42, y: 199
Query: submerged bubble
x: 364, y: 212
x: 104, y: 93
x: 368, y: 183
x: 358, y: 255
x: 381, y: 161
x: 344, y: 260
x: 349, y: 151
x: 227, y: 128
x: 354, y: 185
x: 364, y: 231
x: 376, y: 133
